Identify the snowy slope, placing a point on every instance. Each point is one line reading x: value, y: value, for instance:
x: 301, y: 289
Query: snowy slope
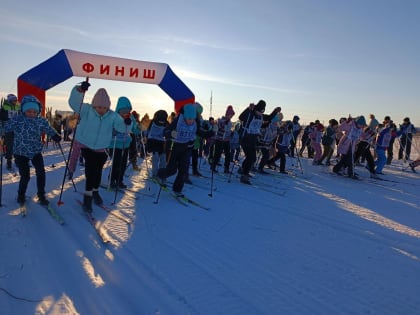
x: 310, y: 244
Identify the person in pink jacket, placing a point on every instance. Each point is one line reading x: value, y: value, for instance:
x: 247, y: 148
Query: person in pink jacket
x: 352, y: 129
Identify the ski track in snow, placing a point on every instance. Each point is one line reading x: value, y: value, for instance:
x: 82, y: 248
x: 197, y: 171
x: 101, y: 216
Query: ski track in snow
x: 316, y: 248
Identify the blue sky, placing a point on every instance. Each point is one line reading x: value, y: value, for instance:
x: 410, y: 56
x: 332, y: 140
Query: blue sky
x: 316, y: 59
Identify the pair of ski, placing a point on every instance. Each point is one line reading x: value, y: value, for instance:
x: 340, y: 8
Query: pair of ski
x: 50, y: 209
x: 96, y: 224
x: 182, y: 199
x: 128, y: 191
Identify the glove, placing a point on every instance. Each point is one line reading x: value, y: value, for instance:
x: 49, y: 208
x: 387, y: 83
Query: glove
x: 56, y: 138
x: 174, y: 134
x: 127, y: 121
x: 84, y: 86
x: 4, y: 116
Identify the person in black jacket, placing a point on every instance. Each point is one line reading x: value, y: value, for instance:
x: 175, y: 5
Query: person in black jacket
x: 252, y: 119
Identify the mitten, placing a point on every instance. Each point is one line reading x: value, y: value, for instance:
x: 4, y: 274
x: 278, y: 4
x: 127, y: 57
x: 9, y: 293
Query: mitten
x: 84, y: 86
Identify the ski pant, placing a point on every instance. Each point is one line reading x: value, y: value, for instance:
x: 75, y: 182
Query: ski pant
x: 94, y: 163
x: 249, y: 144
x: 405, y: 146
x: 316, y: 146
x: 119, y: 164
x: 265, y: 154
x: 8, y: 141
x: 74, y: 155
x: 363, y: 151
x: 22, y: 162
x: 381, y: 161
x: 346, y: 160
x: 282, y: 156
x: 219, y: 148
x: 390, y: 151
x: 327, y: 153
x: 178, y: 162
x: 158, y: 161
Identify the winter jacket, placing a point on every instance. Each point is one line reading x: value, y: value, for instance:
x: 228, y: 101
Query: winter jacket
x: 224, y: 129
x: 350, y: 137
x: 94, y: 131
x: 383, y: 138
x: 122, y: 140
x: 28, y: 132
x: 328, y: 136
x: 156, y: 137
x: 185, y: 134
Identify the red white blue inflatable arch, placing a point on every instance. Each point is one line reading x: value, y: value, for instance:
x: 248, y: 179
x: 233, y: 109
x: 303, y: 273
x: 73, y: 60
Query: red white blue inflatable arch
x: 68, y: 63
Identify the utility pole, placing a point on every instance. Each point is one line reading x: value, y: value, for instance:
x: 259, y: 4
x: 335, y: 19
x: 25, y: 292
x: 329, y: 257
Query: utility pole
x: 211, y: 103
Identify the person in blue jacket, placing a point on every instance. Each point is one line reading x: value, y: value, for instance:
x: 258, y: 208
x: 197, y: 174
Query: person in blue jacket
x: 120, y: 144
x: 28, y: 129
x: 95, y: 133
x: 180, y: 136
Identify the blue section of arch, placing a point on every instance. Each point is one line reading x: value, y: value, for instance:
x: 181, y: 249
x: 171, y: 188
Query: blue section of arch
x: 174, y: 87
x: 49, y: 73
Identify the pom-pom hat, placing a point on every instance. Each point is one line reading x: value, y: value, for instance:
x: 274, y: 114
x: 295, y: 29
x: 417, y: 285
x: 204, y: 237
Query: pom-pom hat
x: 101, y: 99
x: 229, y: 111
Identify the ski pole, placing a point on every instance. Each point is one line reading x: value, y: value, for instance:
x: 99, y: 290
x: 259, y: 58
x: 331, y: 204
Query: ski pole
x: 67, y: 164
x: 120, y: 175
x: 112, y: 163
x: 60, y: 202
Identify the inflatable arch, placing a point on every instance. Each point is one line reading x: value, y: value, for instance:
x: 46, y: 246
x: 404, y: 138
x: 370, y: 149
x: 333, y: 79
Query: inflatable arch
x: 67, y: 63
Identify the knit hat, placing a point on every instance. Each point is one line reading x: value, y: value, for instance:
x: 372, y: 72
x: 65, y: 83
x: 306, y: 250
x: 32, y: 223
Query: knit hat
x: 30, y: 105
x: 123, y: 103
x: 198, y: 108
x: 101, y: 99
x: 230, y: 111
x: 360, y: 121
x: 260, y: 106
x: 30, y: 102
x: 11, y: 98
x: 190, y: 111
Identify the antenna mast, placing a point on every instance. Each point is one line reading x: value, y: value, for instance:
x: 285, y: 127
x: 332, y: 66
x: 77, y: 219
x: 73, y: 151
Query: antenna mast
x: 211, y: 103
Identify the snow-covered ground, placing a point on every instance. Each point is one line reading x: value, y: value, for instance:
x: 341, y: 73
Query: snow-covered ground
x: 310, y: 244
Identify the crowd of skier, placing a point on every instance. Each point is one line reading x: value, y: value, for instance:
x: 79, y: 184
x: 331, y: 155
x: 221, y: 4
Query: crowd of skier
x: 178, y: 142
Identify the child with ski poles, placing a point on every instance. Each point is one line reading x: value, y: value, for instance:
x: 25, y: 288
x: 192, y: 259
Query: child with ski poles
x: 120, y: 145
x: 352, y: 129
x: 94, y: 132
x: 222, y: 140
x: 328, y: 142
x: 28, y: 129
x: 283, y: 141
x: 180, y: 136
x: 156, y: 140
x: 406, y: 132
x: 266, y: 142
x: 252, y: 119
x: 10, y: 108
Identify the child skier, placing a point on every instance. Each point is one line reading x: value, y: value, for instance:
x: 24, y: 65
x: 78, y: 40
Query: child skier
x: 352, y: 129
x: 222, y: 141
x: 28, y: 129
x: 120, y: 145
x: 180, y: 135
x: 94, y: 132
x: 156, y: 140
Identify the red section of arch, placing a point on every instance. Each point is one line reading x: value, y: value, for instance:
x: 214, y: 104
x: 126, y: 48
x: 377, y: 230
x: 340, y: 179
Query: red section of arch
x: 24, y: 88
x: 180, y: 104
